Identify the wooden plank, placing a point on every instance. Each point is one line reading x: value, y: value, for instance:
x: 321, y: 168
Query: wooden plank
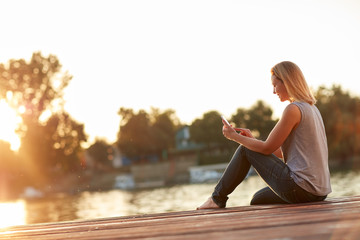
x: 321, y: 220
x: 333, y: 201
x: 156, y: 221
x: 114, y: 222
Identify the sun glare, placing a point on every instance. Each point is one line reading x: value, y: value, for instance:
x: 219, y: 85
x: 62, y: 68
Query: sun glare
x: 12, y: 214
x: 9, y: 121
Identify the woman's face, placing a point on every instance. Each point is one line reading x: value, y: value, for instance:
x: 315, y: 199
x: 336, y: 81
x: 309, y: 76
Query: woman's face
x: 279, y: 89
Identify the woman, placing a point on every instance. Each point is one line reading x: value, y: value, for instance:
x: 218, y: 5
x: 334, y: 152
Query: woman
x: 293, y: 160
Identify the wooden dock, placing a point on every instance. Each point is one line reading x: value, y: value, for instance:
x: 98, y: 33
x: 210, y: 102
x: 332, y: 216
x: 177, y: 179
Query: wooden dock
x: 336, y: 218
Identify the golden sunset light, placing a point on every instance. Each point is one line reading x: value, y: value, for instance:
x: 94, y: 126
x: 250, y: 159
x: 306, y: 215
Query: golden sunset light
x: 14, y: 213
x: 179, y: 54
x: 112, y: 108
x: 9, y: 122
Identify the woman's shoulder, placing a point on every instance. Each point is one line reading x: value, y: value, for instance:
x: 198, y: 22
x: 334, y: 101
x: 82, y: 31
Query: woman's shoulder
x: 302, y: 106
x: 293, y: 112
x: 292, y: 108
x: 306, y: 110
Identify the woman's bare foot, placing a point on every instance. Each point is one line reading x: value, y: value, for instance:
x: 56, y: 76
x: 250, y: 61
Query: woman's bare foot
x: 209, y: 204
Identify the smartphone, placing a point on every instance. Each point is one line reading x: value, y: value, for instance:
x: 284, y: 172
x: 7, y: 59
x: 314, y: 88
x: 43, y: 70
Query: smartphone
x: 236, y: 129
x: 225, y: 121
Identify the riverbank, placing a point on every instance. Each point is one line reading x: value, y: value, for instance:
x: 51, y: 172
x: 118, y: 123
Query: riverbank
x: 144, y: 176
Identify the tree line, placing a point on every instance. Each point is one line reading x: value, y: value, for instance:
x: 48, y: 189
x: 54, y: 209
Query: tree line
x: 51, y: 140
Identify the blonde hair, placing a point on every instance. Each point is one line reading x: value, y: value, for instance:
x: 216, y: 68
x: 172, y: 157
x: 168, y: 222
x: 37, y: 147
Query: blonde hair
x: 292, y: 77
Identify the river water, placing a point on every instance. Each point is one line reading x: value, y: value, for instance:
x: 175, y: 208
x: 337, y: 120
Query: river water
x: 89, y: 205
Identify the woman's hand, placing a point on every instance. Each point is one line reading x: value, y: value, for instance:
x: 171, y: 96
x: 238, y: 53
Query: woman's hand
x: 245, y: 132
x: 230, y: 132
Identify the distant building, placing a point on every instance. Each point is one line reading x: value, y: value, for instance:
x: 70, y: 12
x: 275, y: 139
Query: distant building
x: 117, y: 158
x: 183, y: 142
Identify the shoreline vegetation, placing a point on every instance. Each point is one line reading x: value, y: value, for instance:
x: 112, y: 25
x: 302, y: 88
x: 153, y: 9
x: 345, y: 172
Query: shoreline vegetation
x: 106, y: 181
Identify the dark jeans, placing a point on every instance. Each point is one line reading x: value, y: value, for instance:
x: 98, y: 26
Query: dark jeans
x: 281, y: 187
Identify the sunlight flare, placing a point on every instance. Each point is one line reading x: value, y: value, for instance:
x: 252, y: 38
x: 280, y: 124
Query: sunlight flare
x: 12, y: 213
x: 9, y: 122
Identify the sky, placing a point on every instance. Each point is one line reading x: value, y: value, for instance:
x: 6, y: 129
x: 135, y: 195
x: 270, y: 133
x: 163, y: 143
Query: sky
x: 191, y: 56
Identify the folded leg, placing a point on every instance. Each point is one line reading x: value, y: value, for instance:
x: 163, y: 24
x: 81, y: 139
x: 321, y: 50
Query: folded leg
x: 266, y: 196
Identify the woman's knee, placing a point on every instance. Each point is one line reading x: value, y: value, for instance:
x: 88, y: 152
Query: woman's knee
x: 258, y: 197
x: 266, y: 196
x: 246, y: 152
x: 242, y: 152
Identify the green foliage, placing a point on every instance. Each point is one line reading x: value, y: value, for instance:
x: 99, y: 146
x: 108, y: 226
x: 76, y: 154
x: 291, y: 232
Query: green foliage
x: 341, y: 114
x: 53, y: 146
x: 144, y: 134
x: 134, y: 137
x: 101, y: 153
x: 208, y: 130
x: 164, y: 129
x: 35, y: 89
x: 258, y: 119
x: 35, y: 85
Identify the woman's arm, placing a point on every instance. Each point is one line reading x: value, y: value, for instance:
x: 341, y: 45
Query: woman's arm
x: 289, y: 120
x: 278, y: 153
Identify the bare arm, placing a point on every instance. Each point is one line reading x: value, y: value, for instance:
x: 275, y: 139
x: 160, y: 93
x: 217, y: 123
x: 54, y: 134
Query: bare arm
x: 278, y: 153
x: 289, y: 120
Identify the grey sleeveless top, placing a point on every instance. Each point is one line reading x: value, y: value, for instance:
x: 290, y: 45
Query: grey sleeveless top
x: 305, y: 151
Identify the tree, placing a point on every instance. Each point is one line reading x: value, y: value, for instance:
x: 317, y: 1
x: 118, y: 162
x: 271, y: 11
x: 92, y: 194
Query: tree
x: 134, y: 137
x: 54, y: 145
x: 164, y: 129
x: 341, y: 114
x: 143, y: 134
x: 35, y: 89
x: 101, y: 153
x: 258, y: 119
x: 35, y: 86
x: 208, y: 130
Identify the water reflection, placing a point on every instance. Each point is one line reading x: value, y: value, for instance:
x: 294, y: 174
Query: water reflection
x: 51, y: 209
x: 345, y: 184
x: 89, y: 205
x: 100, y: 204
